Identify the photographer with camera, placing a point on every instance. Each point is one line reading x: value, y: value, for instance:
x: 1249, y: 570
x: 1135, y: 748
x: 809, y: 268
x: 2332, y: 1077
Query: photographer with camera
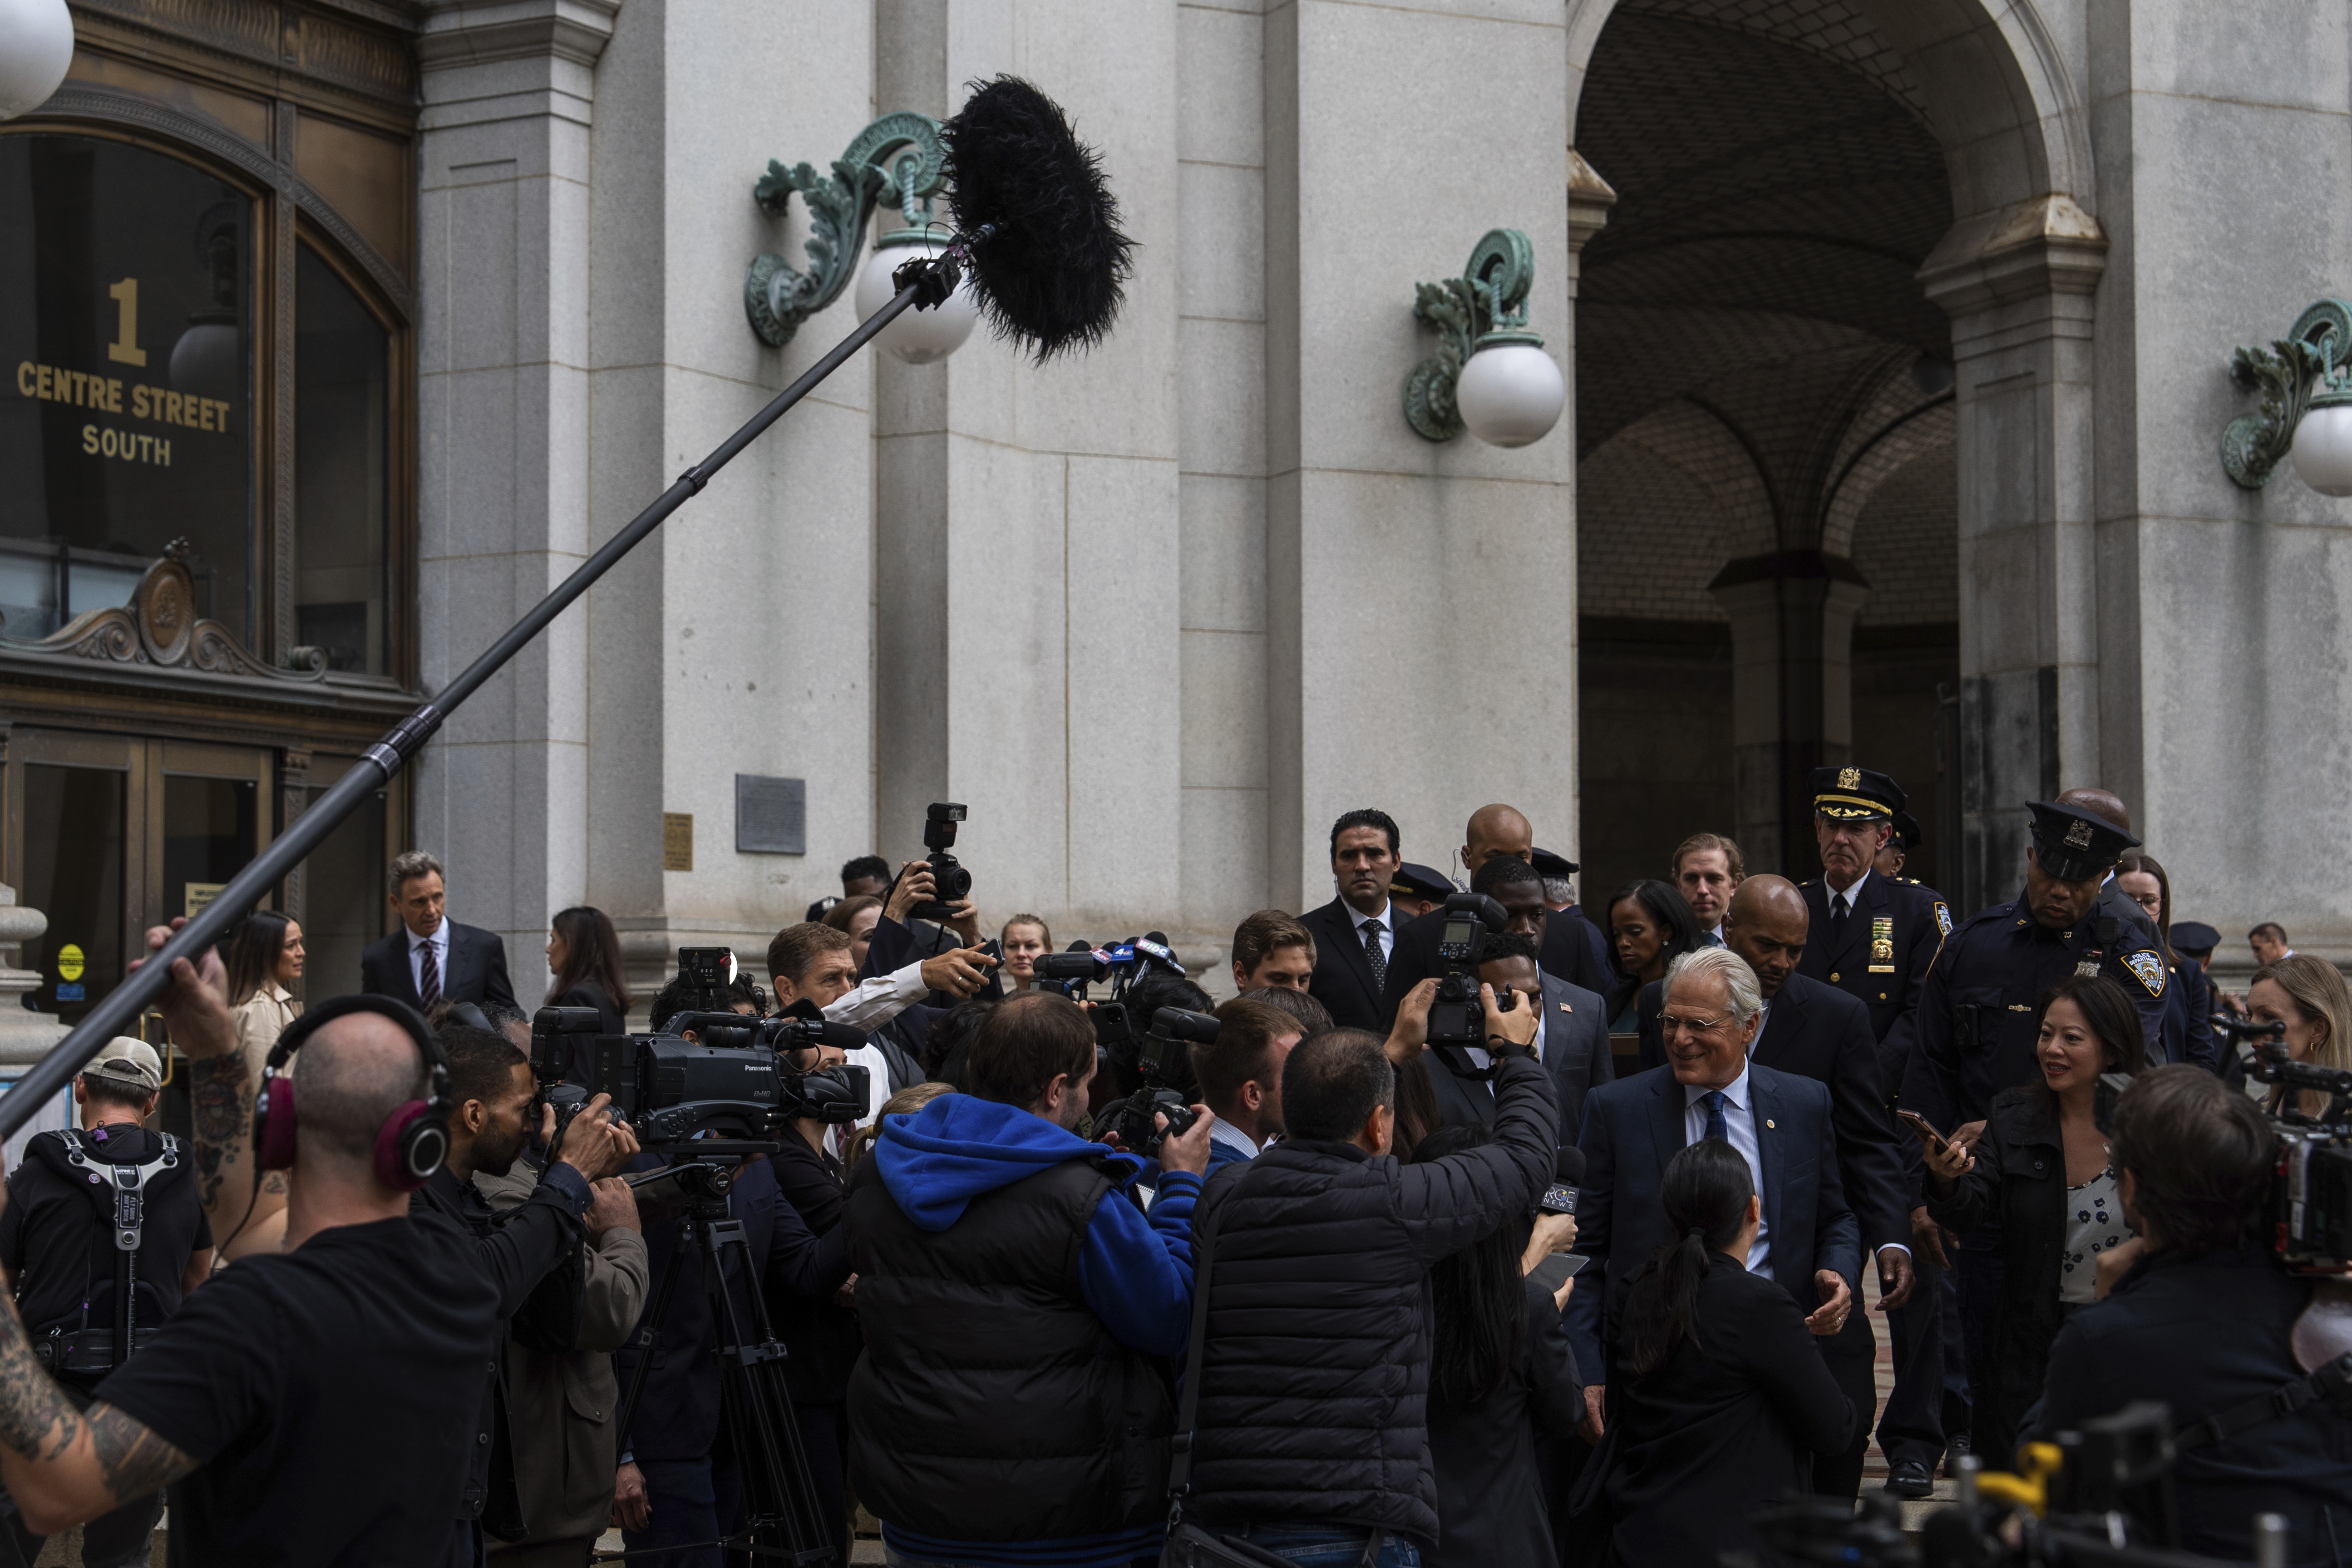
x: 2208, y: 1323
x: 1324, y: 1240
x: 1013, y: 1405
x: 811, y: 962
x: 491, y: 1095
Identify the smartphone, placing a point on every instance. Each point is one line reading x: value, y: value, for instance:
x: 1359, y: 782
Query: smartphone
x: 1927, y: 1133
x: 1558, y: 1269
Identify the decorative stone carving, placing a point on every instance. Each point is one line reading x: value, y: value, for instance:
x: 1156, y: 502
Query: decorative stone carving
x: 25, y: 1036
x: 160, y: 626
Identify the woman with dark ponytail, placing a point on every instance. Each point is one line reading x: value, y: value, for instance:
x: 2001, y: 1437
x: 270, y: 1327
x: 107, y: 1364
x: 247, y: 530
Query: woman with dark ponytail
x: 1719, y: 1397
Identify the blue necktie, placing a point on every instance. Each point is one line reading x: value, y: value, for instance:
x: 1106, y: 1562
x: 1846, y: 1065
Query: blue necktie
x: 1715, y: 1127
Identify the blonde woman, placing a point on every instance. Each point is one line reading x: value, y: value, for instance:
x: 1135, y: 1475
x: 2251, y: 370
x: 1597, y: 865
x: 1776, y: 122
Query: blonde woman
x: 2308, y: 995
x: 1025, y: 940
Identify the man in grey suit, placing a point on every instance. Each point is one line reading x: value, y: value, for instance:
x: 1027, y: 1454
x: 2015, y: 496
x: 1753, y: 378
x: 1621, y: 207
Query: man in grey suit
x: 1571, y: 1040
x: 432, y: 958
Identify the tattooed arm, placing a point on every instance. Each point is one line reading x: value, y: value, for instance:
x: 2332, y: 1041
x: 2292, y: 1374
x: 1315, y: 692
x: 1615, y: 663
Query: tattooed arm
x: 224, y: 1076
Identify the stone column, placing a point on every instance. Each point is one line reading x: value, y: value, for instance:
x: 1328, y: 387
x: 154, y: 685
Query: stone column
x: 503, y: 176
x: 26, y: 1035
x: 1421, y: 598
x: 2018, y: 284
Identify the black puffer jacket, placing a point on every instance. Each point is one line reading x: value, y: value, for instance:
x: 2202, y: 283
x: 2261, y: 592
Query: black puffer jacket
x: 1317, y: 1366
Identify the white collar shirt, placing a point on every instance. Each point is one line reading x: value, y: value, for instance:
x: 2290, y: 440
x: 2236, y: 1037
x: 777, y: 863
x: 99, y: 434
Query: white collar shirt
x: 1224, y: 1132
x: 1386, y: 917
x: 439, y: 943
x: 1853, y: 895
x: 1740, y: 1125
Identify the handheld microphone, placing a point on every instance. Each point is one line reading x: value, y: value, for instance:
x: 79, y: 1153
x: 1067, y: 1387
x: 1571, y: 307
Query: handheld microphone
x: 1568, y: 1171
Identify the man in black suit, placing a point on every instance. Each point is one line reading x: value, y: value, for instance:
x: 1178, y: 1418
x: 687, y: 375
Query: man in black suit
x: 1571, y: 1041
x: 1356, y: 933
x: 1499, y: 833
x: 432, y: 959
x: 1818, y: 1032
x: 1782, y: 1123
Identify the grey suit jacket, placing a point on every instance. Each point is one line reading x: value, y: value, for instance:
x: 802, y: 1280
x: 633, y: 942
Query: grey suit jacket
x: 1575, y: 1052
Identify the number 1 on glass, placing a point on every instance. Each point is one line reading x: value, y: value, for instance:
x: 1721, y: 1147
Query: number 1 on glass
x: 125, y: 349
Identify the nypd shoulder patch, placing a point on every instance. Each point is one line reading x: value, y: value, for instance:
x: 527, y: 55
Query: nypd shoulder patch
x: 2147, y: 968
x: 1943, y: 918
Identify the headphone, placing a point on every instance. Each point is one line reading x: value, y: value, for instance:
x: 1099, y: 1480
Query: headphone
x: 413, y: 1141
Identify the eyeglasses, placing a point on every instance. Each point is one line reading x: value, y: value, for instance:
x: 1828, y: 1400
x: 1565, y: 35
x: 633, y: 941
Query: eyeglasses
x: 1674, y: 1026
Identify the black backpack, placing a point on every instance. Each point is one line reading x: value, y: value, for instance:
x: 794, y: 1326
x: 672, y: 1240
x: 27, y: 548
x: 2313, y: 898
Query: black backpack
x: 119, y: 1192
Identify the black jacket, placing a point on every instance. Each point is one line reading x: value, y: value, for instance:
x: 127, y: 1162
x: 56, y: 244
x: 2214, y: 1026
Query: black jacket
x: 588, y: 993
x: 1725, y: 1428
x: 2019, y: 1185
x: 1342, y: 980
x: 1316, y: 1375
x: 2206, y: 1333
x: 1566, y: 954
x: 820, y: 1334
x: 476, y: 970
x: 516, y: 1249
x: 1575, y: 1052
x: 1492, y: 1492
x: 1819, y: 1032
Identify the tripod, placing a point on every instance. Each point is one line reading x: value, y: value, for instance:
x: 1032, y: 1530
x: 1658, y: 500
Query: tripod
x: 782, y: 1518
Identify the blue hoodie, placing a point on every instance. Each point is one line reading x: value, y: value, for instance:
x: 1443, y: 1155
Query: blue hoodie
x: 1135, y: 1272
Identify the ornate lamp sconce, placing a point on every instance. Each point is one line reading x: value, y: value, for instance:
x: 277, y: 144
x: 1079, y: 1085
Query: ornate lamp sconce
x: 2305, y: 380
x: 898, y: 157
x: 1490, y: 374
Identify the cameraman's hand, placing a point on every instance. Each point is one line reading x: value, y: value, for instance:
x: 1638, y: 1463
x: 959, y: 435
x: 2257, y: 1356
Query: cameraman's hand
x: 1408, y: 1035
x: 614, y: 1207
x: 595, y: 1147
x: 1552, y: 1233
x: 1190, y: 1151
x: 632, y: 1510
x: 195, y: 1003
x: 963, y: 919
x: 915, y: 887
x: 961, y: 972
x: 1518, y: 1025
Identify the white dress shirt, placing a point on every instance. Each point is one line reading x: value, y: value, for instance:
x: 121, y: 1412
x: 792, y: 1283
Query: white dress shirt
x: 1386, y: 916
x: 439, y: 943
x: 1740, y: 1123
x: 875, y: 1002
x: 1853, y: 895
x: 1224, y: 1132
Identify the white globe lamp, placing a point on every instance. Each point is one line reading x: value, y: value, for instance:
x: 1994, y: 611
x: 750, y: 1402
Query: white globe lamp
x: 918, y: 337
x: 2323, y: 446
x: 1510, y: 392
x: 36, y: 42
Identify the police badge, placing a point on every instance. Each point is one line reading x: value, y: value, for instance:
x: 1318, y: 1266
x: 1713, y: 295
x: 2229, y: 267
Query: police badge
x: 1849, y: 778
x: 2079, y: 836
x: 1882, y: 945
x: 2148, y: 969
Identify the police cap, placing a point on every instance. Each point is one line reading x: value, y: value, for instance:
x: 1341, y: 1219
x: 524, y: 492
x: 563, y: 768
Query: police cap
x: 1413, y: 881
x: 2074, y: 845
x: 1548, y: 864
x: 2193, y: 937
x: 1906, y: 832
x: 1855, y: 794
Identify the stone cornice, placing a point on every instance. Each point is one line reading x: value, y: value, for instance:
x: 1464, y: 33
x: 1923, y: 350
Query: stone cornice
x: 488, y: 31
x: 2029, y: 249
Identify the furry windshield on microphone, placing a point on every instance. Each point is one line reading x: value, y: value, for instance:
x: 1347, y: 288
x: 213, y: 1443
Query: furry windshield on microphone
x: 1051, y: 274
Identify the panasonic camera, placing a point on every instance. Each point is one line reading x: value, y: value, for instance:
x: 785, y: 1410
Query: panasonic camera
x: 1159, y: 1058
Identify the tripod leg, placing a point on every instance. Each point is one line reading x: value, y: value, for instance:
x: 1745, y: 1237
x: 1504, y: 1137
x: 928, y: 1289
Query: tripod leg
x: 780, y: 1499
x: 651, y: 1325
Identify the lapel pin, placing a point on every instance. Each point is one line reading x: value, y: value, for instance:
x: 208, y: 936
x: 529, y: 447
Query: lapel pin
x: 1772, y: 1124
x: 1566, y: 1009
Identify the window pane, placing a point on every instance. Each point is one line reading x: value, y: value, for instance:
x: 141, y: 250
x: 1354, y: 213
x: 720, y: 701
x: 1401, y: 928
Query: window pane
x: 126, y: 407
x: 208, y: 836
x: 73, y: 874
x: 343, y: 900
x: 342, y: 481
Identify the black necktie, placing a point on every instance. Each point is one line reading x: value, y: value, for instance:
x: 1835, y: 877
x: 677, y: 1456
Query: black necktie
x: 1838, y: 909
x: 1374, y: 956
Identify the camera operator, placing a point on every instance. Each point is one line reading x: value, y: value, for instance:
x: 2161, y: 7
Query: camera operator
x: 1016, y: 1302
x: 2205, y: 1322
x: 305, y: 1404
x: 491, y: 1092
x: 57, y: 1243
x: 1326, y: 1240
x: 1241, y: 1077
x: 811, y: 962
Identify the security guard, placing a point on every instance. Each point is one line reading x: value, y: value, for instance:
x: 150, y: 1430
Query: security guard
x: 1975, y: 1022
x: 1898, y: 846
x: 1417, y: 889
x: 1873, y: 936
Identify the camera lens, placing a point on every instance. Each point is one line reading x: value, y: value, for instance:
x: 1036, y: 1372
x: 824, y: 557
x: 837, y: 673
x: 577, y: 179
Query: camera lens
x: 953, y: 881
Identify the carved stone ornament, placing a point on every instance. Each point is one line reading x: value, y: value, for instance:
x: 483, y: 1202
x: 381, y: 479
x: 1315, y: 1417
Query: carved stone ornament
x: 160, y: 626
x: 777, y: 295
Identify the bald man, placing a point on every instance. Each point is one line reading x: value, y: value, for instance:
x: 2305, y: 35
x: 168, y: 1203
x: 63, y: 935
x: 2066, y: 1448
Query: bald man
x: 1571, y: 950
x: 1817, y: 1031
x: 314, y: 1406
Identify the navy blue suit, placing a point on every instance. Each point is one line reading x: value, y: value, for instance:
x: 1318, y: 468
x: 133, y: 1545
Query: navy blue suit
x: 1633, y: 1127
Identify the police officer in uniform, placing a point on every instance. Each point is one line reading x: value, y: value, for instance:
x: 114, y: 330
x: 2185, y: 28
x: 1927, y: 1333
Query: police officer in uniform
x: 1897, y: 847
x: 62, y: 1251
x: 1873, y: 936
x: 1974, y: 1032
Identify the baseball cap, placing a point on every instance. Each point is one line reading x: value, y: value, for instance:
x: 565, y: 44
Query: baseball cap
x: 130, y: 1061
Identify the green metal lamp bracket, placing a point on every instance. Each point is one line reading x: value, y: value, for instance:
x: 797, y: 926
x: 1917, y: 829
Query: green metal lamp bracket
x: 2309, y: 366
x: 1488, y: 304
x: 777, y: 295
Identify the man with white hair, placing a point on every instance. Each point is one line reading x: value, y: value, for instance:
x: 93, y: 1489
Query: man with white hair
x: 1809, y: 1241
x: 310, y: 1406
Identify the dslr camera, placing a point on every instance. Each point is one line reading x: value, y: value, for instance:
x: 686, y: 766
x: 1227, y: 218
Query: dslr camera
x: 1158, y: 1058
x: 1457, y: 1018
x: 950, y: 881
